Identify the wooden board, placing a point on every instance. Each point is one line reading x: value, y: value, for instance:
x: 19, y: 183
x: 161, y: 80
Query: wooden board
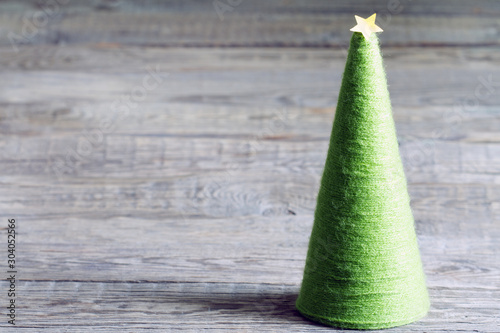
x: 189, y: 207
x: 275, y: 23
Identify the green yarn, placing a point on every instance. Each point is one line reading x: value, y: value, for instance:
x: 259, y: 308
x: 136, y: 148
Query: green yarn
x: 363, y: 268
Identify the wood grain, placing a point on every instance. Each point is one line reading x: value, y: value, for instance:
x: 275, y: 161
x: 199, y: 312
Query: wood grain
x: 142, y: 306
x: 191, y: 208
x: 263, y: 23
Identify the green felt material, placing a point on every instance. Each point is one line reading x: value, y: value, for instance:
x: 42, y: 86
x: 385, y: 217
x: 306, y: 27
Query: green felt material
x: 363, y: 267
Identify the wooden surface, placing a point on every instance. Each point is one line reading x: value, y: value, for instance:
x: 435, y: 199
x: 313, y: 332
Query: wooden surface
x: 191, y: 209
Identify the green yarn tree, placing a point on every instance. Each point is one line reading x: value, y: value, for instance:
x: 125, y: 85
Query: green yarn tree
x: 363, y: 267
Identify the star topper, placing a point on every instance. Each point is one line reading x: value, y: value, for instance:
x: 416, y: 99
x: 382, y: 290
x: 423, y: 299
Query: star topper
x: 366, y: 26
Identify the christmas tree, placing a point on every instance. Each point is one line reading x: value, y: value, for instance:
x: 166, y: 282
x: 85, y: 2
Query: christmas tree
x: 363, y: 267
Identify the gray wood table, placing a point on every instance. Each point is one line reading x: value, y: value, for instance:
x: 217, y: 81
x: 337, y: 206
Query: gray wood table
x: 162, y: 159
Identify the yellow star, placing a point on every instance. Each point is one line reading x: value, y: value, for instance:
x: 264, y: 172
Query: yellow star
x: 366, y: 26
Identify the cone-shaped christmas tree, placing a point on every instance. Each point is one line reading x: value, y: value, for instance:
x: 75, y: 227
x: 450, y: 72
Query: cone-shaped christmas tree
x: 363, y: 267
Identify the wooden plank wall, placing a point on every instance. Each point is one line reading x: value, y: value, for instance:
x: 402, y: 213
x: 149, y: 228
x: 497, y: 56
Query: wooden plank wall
x: 162, y: 160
